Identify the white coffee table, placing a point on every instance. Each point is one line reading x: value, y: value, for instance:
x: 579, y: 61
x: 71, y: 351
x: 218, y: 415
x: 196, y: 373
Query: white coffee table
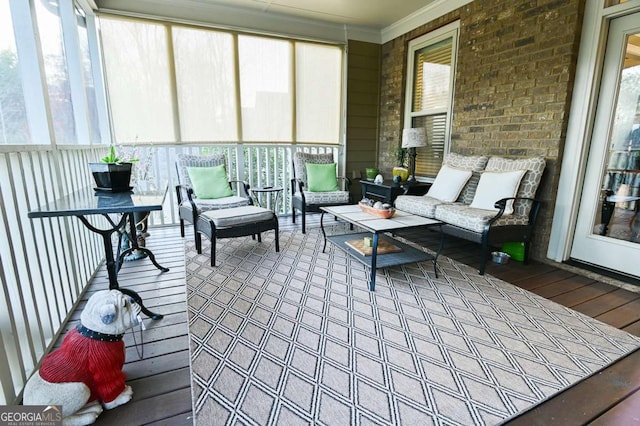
x: 378, y: 228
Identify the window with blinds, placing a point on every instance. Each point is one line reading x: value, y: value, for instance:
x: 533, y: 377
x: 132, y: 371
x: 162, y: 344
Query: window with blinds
x: 429, y: 158
x: 431, y: 70
x: 432, y: 67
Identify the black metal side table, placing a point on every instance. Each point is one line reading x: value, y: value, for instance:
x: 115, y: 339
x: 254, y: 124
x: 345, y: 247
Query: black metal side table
x: 87, y: 202
x: 388, y: 190
x: 270, y: 195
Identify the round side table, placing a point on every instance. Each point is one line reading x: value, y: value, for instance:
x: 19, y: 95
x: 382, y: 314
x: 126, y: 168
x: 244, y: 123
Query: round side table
x: 270, y: 196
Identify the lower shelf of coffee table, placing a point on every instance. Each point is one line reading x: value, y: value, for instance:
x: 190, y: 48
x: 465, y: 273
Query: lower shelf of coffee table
x: 408, y: 254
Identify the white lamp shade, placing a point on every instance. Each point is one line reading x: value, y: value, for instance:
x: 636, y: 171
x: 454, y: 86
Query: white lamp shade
x: 414, y: 137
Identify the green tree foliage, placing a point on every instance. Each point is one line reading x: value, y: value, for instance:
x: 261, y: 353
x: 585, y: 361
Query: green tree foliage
x: 13, y: 121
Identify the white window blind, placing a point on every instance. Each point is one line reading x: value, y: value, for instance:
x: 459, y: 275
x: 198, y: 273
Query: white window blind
x: 205, y: 78
x: 433, y: 71
x: 266, y: 89
x: 229, y: 87
x: 138, y: 79
x: 319, y: 85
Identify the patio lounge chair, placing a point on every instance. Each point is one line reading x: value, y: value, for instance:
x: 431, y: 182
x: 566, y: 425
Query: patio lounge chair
x: 324, y: 188
x: 216, y: 194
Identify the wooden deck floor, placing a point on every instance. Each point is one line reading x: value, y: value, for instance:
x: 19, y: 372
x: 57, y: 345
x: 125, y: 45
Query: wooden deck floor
x: 161, y: 380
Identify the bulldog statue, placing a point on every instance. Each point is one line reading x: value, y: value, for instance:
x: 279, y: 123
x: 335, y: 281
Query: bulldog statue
x: 85, y: 373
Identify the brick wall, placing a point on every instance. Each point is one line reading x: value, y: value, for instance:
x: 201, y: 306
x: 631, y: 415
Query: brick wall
x: 515, y: 72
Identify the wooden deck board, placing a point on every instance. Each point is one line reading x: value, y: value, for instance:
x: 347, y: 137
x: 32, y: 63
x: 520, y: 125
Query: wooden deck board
x: 583, y: 294
x: 622, y: 316
x: 184, y: 419
x: 606, y: 302
x: 161, y: 380
x: 150, y: 410
x: 567, y: 285
x: 135, y: 369
x: 514, y: 272
x: 633, y: 328
x: 626, y: 413
x: 148, y: 387
x: 589, y: 398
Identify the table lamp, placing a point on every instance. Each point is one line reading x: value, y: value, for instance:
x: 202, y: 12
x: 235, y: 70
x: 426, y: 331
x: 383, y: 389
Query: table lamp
x: 413, y: 138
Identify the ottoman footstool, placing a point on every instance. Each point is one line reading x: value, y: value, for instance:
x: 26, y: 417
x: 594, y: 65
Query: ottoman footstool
x: 235, y: 222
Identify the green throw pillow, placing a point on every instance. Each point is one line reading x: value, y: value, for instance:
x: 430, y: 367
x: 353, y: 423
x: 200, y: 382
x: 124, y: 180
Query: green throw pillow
x: 210, y: 182
x: 322, y: 177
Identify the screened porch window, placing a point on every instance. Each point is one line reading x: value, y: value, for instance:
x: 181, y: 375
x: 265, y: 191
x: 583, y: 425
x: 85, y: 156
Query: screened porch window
x: 138, y: 76
x: 56, y: 72
x: 206, y: 81
x: 430, y: 79
x: 14, y: 128
x: 173, y: 83
x: 266, y: 89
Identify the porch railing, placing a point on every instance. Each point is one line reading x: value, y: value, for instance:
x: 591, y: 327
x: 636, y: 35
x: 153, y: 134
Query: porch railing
x: 46, y: 264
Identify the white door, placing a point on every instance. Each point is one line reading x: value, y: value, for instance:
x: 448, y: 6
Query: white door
x: 608, y: 227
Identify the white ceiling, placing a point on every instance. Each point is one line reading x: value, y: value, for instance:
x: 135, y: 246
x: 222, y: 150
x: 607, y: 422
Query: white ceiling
x: 375, y: 14
x: 369, y: 20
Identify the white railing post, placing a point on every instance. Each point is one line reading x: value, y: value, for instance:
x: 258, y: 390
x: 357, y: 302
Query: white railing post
x: 241, y: 161
x: 46, y: 264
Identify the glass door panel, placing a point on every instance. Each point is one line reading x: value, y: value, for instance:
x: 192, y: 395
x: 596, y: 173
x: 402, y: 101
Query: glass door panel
x: 608, y: 227
x: 621, y: 178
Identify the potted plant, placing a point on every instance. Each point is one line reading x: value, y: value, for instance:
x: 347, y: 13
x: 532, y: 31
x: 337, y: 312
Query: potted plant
x: 400, y: 169
x: 371, y: 173
x: 112, y: 173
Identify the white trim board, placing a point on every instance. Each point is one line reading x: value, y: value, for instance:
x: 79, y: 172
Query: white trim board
x: 423, y: 16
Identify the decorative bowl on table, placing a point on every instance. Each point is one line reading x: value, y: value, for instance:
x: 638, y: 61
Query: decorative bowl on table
x: 381, y: 213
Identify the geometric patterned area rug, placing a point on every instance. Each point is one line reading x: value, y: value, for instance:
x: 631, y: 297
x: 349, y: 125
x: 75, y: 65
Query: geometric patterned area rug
x: 296, y: 337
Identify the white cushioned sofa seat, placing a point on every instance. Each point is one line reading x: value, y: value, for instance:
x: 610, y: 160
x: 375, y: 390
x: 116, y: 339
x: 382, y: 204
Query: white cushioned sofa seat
x: 422, y: 205
x: 474, y: 219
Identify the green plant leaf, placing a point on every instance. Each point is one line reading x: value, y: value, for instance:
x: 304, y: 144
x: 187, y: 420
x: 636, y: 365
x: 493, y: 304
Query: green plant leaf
x: 113, y: 158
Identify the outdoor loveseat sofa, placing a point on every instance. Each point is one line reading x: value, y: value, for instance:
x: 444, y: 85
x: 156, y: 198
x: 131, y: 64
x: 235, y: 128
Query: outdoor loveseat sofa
x: 488, y: 200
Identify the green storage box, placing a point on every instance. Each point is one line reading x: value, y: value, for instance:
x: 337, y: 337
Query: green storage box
x: 515, y: 250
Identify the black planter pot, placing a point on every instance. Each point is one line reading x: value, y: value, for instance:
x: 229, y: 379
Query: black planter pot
x: 114, y: 177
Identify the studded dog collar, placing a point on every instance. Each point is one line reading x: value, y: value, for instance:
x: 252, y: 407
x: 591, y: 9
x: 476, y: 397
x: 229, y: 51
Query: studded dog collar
x: 96, y: 335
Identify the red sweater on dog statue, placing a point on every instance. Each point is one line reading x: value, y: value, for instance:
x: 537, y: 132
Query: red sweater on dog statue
x: 85, y: 373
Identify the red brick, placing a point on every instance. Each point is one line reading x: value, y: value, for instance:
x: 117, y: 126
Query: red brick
x: 515, y: 71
